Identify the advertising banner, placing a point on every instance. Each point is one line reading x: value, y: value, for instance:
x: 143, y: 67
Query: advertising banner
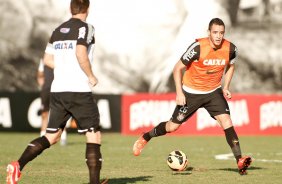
x: 20, y: 111
x: 251, y: 114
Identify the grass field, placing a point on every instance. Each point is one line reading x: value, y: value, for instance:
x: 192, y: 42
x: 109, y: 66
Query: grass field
x: 66, y: 165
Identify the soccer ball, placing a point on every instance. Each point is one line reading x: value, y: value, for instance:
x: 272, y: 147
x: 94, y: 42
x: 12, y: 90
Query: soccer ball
x: 177, y: 160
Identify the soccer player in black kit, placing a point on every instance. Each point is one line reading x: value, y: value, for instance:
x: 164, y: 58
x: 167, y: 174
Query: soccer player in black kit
x: 68, y: 52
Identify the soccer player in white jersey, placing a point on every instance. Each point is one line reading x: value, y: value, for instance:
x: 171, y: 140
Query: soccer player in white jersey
x: 68, y: 53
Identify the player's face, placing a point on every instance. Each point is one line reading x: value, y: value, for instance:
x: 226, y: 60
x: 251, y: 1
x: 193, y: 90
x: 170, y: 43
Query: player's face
x: 216, y: 35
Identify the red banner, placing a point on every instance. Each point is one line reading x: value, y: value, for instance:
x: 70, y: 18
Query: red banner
x: 251, y: 114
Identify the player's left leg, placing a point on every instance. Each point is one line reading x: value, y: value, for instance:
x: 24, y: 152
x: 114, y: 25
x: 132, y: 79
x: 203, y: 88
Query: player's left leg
x: 93, y: 156
x: 218, y: 108
x: 44, y: 122
x: 230, y: 134
x: 87, y: 117
x: 233, y: 141
x: 45, y: 101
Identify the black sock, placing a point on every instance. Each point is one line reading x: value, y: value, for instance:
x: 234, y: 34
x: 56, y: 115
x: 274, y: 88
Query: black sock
x: 94, y: 162
x: 233, y: 141
x: 159, y: 130
x: 34, y: 148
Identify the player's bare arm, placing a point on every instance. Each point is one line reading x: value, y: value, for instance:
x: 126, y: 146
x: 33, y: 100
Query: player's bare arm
x: 40, y: 78
x: 177, y: 75
x: 48, y: 60
x: 82, y: 57
x: 227, y: 80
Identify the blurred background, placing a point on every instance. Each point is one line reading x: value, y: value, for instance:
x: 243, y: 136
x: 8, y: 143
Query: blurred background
x: 138, y: 42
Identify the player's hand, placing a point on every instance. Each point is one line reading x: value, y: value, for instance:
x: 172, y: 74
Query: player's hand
x: 227, y: 93
x: 93, y: 81
x: 180, y: 99
x: 40, y: 82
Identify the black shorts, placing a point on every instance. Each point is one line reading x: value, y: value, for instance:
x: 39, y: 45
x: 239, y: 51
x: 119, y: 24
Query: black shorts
x: 45, y: 99
x: 213, y: 102
x: 78, y: 105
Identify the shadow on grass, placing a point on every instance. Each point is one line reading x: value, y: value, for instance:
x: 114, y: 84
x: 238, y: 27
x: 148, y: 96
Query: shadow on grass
x: 127, y: 180
x: 187, y: 171
x: 236, y: 170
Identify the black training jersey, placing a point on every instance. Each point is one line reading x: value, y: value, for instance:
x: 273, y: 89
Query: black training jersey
x: 68, y: 76
x: 48, y: 75
x: 193, y: 53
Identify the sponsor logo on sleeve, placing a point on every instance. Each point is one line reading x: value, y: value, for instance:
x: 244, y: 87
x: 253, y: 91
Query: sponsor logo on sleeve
x: 189, y: 55
x: 82, y: 32
x: 64, y: 30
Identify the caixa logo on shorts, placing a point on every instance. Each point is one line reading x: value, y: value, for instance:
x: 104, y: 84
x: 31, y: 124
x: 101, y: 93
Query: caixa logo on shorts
x: 181, y: 114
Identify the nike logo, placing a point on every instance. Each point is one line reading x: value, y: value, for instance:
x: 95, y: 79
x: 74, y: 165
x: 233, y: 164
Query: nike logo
x: 235, y: 142
x: 227, y: 110
x: 242, y: 161
x: 17, y: 173
x: 31, y: 145
x: 211, y: 71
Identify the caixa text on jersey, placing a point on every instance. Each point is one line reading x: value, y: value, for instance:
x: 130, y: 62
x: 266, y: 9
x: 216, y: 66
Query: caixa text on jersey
x: 64, y: 45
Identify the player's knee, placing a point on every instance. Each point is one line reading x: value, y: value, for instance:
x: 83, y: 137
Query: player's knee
x: 54, y: 141
x: 171, y: 127
x: 53, y: 138
x: 93, y: 137
x: 226, y: 124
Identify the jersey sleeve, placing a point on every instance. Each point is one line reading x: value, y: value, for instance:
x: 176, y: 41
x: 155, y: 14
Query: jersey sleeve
x: 86, y: 35
x: 191, y: 54
x: 50, y: 48
x: 233, y: 53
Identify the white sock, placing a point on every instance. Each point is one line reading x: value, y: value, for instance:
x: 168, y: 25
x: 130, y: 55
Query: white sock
x: 64, y: 137
x: 42, y: 132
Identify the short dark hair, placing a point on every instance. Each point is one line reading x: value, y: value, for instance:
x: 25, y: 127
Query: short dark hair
x: 79, y: 6
x: 216, y: 21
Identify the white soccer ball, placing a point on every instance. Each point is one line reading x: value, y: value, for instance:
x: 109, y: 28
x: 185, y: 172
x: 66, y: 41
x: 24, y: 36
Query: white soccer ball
x: 177, y: 160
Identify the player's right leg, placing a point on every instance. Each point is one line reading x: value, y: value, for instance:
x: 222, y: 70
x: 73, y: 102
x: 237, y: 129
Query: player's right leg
x: 160, y: 130
x: 139, y: 145
x: 13, y: 173
x: 180, y: 115
x: 34, y: 148
x: 57, y: 119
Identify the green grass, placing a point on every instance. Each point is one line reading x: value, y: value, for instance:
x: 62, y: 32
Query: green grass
x: 66, y: 165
